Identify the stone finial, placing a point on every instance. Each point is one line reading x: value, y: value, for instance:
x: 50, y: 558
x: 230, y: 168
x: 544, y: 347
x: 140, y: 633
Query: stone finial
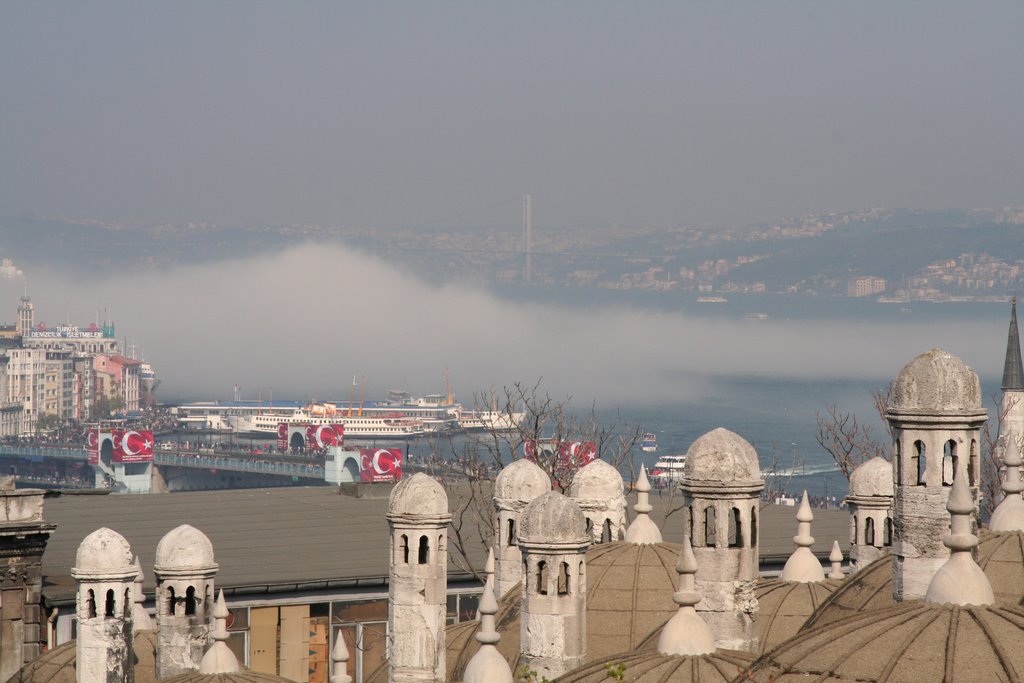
x: 643, y: 530
x: 488, y: 576
x: 219, y: 659
x: 487, y: 665
x: 836, y: 558
x: 1009, y: 514
x: 802, y: 566
x: 339, y: 659
x: 141, y: 620
x: 960, y: 581
x: 686, y: 633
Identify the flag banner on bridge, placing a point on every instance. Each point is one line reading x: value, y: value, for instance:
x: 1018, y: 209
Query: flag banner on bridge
x: 380, y: 464
x: 132, y: 446
x: 282, y: 436
x: 92, y: 445
x: 319, y: 437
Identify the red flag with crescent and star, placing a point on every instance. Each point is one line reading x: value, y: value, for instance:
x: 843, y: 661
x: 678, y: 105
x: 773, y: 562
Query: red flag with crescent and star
x: 92, y: 445
x: 132, y: 445
x: 380, y: 464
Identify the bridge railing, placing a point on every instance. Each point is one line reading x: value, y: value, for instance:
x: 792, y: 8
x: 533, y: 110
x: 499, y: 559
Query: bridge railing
x: 309, y: 470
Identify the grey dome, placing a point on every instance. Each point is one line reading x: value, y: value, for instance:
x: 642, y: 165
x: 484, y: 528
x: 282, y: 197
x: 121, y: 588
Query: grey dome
x: 104, y: 551
x: 721, y: 456
x: 184, y: 548
x: 935, y: 382
x: 521, y: 480
x: 597, y: 481
x: 651, y: 666
x: 419, y: 495
x: 872, y: 478
x: 553, y: 518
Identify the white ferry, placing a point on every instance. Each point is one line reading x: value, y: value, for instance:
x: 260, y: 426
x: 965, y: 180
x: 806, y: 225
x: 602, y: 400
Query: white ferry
x: 669, y: 468
x: 393, y: 426
x: 649, y: 442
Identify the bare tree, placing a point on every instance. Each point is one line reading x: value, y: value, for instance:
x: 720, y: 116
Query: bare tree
x: 524, y: 421
x: 850, y: 441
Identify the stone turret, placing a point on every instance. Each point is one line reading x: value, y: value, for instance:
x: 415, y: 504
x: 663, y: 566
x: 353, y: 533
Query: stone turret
x: 870, y: 503
x: 935, y: 415
x: 184, y: 569
x: 105, y: 574
x: 721, y: 488
x: 599, y: 491
x: 418, y: 518
x: 23, y: 537
x: 553, y: 625
x: 515, y: 486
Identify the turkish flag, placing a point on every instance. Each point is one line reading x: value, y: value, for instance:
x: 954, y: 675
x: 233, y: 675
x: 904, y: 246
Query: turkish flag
x: 380, y: 464
x: 133, y: 446
x: 282, y: 436
x: 92, y: 445
x: 116, y: 435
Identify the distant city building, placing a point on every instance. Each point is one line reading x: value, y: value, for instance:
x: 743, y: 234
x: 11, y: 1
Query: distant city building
x: 864, y: 285
x: 117, y: 379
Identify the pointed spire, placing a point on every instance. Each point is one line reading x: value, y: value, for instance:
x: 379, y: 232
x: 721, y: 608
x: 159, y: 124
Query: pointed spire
x: 487, y: 665
x: 802, y: 565
x: 686, y: 633
x: 339, y: 659
x: 836, y: 558
x: 643, y: 530
x: 219, y: 659
x: 960, y: 581
x: 141, y: 620
x: 1013, y: 369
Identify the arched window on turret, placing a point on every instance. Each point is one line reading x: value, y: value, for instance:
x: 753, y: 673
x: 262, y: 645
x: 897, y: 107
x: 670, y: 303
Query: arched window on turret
x: 126, y: 605
x: 710, y: 526
x: 563, y: 578
x: 424, y: 554
x: 896, y: 451
x: 590, y: 527
x: 606, y: 531
x: 949, y: 462
x: 869, y: 531
x: 510, y: 533
x: 403, y: 549
x: 753, y: 526
x: 90, y: 605
x: 190, y: 601
x: 542, y: 577
x: 853, y: 530
x: 172, y: 604
x: 735, y: 529
x: 920, y: 463
x: 108, y: 607
x: 887, y: 538
x: 973, y: 465
x: 688, y: 522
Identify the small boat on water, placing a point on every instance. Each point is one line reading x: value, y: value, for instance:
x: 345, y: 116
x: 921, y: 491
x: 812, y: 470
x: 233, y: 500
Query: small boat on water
x: 648, y: 442
x: 669, y: 468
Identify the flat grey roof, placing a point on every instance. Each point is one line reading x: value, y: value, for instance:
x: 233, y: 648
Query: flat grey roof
x: 309, y: 538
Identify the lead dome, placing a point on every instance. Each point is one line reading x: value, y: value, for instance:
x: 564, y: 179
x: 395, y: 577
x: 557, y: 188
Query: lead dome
x: 418, y: 495
x: 872, y: 478
x: 597, y: 481
x: 553, y: 518
x: 104, y: 551
x: 184, y: 548
x: 521, y: 480
x: 935, y: 382
x: 721, y: 456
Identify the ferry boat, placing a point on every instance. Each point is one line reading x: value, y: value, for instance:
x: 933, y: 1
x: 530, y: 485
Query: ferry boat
x: 669, y: 468
x: 648, y: 442
x: 391, y: 426
x: 490, y: 420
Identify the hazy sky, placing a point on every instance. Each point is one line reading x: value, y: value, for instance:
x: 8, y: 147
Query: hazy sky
x: 418, y: 114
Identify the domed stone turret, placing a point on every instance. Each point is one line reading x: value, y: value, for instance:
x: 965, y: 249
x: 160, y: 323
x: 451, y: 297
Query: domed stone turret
x: 721, y: 488
x: 103, y: 552
x: 721, y: 456
x: 935, y: 383
x: 870, y: 501
x: 518, y: 483
x: 184, y: 570
x: 599, y: 491
x: 935, y: 416
x: 872, y: 478
x: 419, y: 495
x: 554, y: 540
